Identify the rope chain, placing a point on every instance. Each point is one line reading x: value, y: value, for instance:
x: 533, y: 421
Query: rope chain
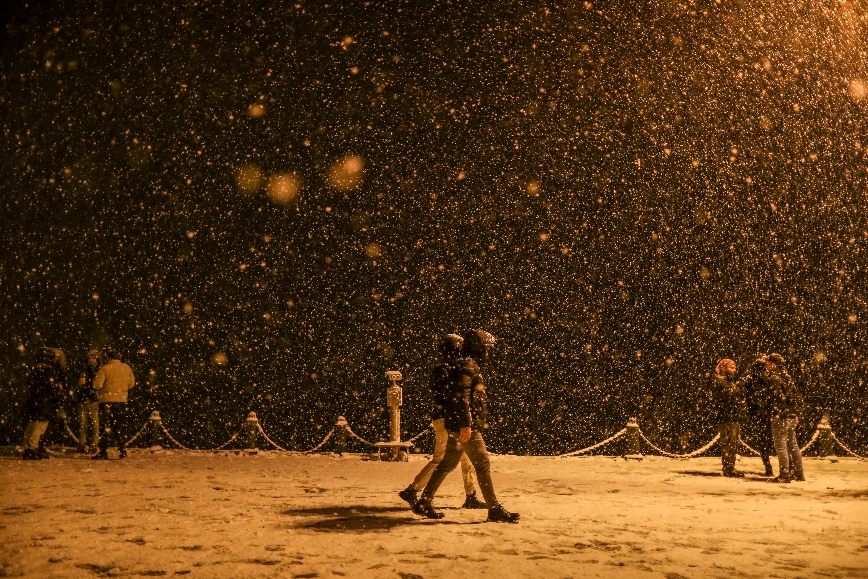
x: 847, y: 450
x: 172, y: 438
x: 320, y: 445
x: 696, y: 452
x: 598, y: 445
x: 265, y: 436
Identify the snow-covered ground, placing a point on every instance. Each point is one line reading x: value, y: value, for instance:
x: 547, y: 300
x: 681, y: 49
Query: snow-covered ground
x: 228, y: 514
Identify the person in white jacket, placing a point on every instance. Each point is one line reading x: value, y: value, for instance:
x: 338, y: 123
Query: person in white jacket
x: 112, y: 384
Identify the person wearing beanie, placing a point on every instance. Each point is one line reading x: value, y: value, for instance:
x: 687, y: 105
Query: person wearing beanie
x: 730, y: 406
x: 112, y: 384
x: 786, y: 408
x: 450, y: 350
x: 465, y: 411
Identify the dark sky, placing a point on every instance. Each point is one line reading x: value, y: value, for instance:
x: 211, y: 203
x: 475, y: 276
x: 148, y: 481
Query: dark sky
x: 267, y: 205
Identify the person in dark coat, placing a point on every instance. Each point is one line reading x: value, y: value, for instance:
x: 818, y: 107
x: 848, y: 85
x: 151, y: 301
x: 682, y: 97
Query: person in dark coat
x: 87, y: 401
x: 787, y: 406
x: 46, y: 382
x: 730, y: 406
x: 450, y: 350
x: 758, y: 423
x: 465, y: 411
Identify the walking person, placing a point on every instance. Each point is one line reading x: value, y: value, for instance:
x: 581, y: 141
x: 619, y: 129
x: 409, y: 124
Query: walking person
x: 88, y: 405
x: 112, y: 383
x: 450, y: 349
x: 465, y: 410
x: 46, y: 382
x: 758, y: 423
x: 730, y: 405
x: 787, y: 406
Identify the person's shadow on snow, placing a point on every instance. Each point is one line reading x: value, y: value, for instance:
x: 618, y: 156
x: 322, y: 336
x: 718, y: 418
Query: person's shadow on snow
x: 360, y: 519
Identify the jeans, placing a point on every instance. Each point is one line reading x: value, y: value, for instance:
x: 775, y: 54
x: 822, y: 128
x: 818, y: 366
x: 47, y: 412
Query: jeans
x: 441, y: 439
x: 478, y: 455
x: 33, y: 432
x: 729, y: 432
x: 111, y: 417
x: 787, y: 447
x: 88, y: 420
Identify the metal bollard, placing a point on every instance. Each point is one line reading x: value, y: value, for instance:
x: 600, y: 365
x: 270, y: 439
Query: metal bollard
x: 251, y: 431
x: 632, y: 437
x: 341, y: 435
x: 825, y: 444
x: 155, y: 422
x: 394, y: 399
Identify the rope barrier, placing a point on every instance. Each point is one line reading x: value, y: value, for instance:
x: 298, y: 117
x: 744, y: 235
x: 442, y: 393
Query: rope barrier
x: 320, y: 445
x: 812, y: 441
x: 265, y: 436
x: 172, y: 438
x: 696, y: 452
x: 69, y: 430
x: 847, y: 450
x: 228, y: 442
x: 356, y: 436
x: 420, y: 435
x: 136, y: 435
x: 750, y: 448
x: 615, y: 436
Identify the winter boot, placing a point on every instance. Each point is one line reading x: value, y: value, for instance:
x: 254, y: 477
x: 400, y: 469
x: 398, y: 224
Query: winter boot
x: 733, y: 473
x: 471, y: 502
x: 799, y: 478
x: 30, y: 454
x: 779, y: 479
x: 409, y: 495
x: 769, y: 471
x: 101, y: 455
x: 122, y: 453
x: 424, y: 508
x: 497, y: 514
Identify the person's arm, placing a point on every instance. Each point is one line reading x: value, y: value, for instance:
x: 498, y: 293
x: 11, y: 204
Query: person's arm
x: 99, y: 380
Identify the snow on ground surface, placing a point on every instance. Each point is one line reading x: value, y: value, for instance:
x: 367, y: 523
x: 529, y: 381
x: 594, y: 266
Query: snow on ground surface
x: 228, y: 514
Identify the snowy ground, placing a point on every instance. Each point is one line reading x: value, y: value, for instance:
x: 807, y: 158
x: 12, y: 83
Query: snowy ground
x: 274, y: 514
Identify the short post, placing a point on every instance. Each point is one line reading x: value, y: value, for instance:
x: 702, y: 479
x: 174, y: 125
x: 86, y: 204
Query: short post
x: 155, y: 423
x: 633, y: 438
x: 251, y: 431
x: 825, y: 444
x: 341, y: 435
x: 394, y: 399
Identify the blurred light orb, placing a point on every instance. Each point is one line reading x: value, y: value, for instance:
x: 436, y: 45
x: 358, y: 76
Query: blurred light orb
x: 249, y: 178
x: 820, y: 357
x: 256, y: 111
x: 373, y: 250
x: 852, y: 318
x: 219, y: 359
x: 533, y: 188
x: 858, y: 89
x: 188, y: 308
x: 346, y: 174
x: 283, y: 188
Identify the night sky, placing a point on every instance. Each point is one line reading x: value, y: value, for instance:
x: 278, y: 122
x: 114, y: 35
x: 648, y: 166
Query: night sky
x: 265, y: 206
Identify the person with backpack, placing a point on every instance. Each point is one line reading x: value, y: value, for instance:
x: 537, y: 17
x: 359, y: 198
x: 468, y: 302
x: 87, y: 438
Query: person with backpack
x: 730, y: 406
x: 787, y: 406
x: 465, y: 410
x: 450, y: 350
x: 46, y: 381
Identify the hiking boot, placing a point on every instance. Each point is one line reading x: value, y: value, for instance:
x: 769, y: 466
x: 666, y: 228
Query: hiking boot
x: 799, y: 478
x: 43, y: 454
x: 424, y: 508
x: 101, y: 455
x: 778, y: 479
x: 471, y: 502
x: 30, y: 454
x: 409, y: 495
x: 122, y: 453
x: 497, y: 514
x: 733, y: 473
x: 769, y: 471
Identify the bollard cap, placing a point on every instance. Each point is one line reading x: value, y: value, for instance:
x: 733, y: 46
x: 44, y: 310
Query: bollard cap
x: 341, y: 421
x: 631, y: 423
x: 155, y: 416
x: 252, y: 417
x: 825, y: 422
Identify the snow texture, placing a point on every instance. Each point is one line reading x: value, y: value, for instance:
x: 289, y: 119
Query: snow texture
x: 270, y: 514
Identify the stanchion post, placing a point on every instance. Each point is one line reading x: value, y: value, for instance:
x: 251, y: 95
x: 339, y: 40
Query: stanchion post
x: 341, y: 435
x: 825, y: 444
x: 251, y: 431
x: 155, y: 423
x: 394, y: 399
x: 632, y: 438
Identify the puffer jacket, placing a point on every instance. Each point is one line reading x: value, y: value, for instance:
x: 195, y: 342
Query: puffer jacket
x: 113, y: 381
x: 729, y: 400
x: 786, y: 400
x: 464, y: 398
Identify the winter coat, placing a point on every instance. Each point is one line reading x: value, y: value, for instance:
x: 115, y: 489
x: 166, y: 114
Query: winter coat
x: 758, y: 395
x: 85, y: 393
x: 786, y: 400
x: 729, y: 401
x: 113, y: 381
x: 439, y: 384
x: 45, y: 383
x: 464, y: 399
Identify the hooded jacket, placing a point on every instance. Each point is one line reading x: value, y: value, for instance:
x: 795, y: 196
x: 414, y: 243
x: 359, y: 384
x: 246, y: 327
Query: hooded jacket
x: 45, y: 382
x: 113, y: 381
x: 465, y: 403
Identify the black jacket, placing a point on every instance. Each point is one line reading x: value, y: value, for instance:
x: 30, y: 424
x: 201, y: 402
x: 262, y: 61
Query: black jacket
x: 85, y: 393
x: 786, y: 400
x: 45, y: 383
x: 729, y: 401
x: 464, y: 399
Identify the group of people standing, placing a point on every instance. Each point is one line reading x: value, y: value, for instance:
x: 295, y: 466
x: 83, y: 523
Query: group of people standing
x: 100, y: 394
x: 460, y: 411
x: 768, y: 403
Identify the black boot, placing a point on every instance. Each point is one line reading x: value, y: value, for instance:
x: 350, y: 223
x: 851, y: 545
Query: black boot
x: 122, y: 453
x: 409, y: 495
x: 101, y: 455
x: 471, y: 502
x: 497, y: 514
x: 424, y: 508
x: 768, y: 464
x: 30, y: 454
x: 42, y: 452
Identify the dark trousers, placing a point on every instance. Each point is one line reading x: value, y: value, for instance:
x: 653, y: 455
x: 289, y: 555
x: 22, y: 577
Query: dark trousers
x: 728, y: 445
x: 478, y: 455
x: 112, y: 416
